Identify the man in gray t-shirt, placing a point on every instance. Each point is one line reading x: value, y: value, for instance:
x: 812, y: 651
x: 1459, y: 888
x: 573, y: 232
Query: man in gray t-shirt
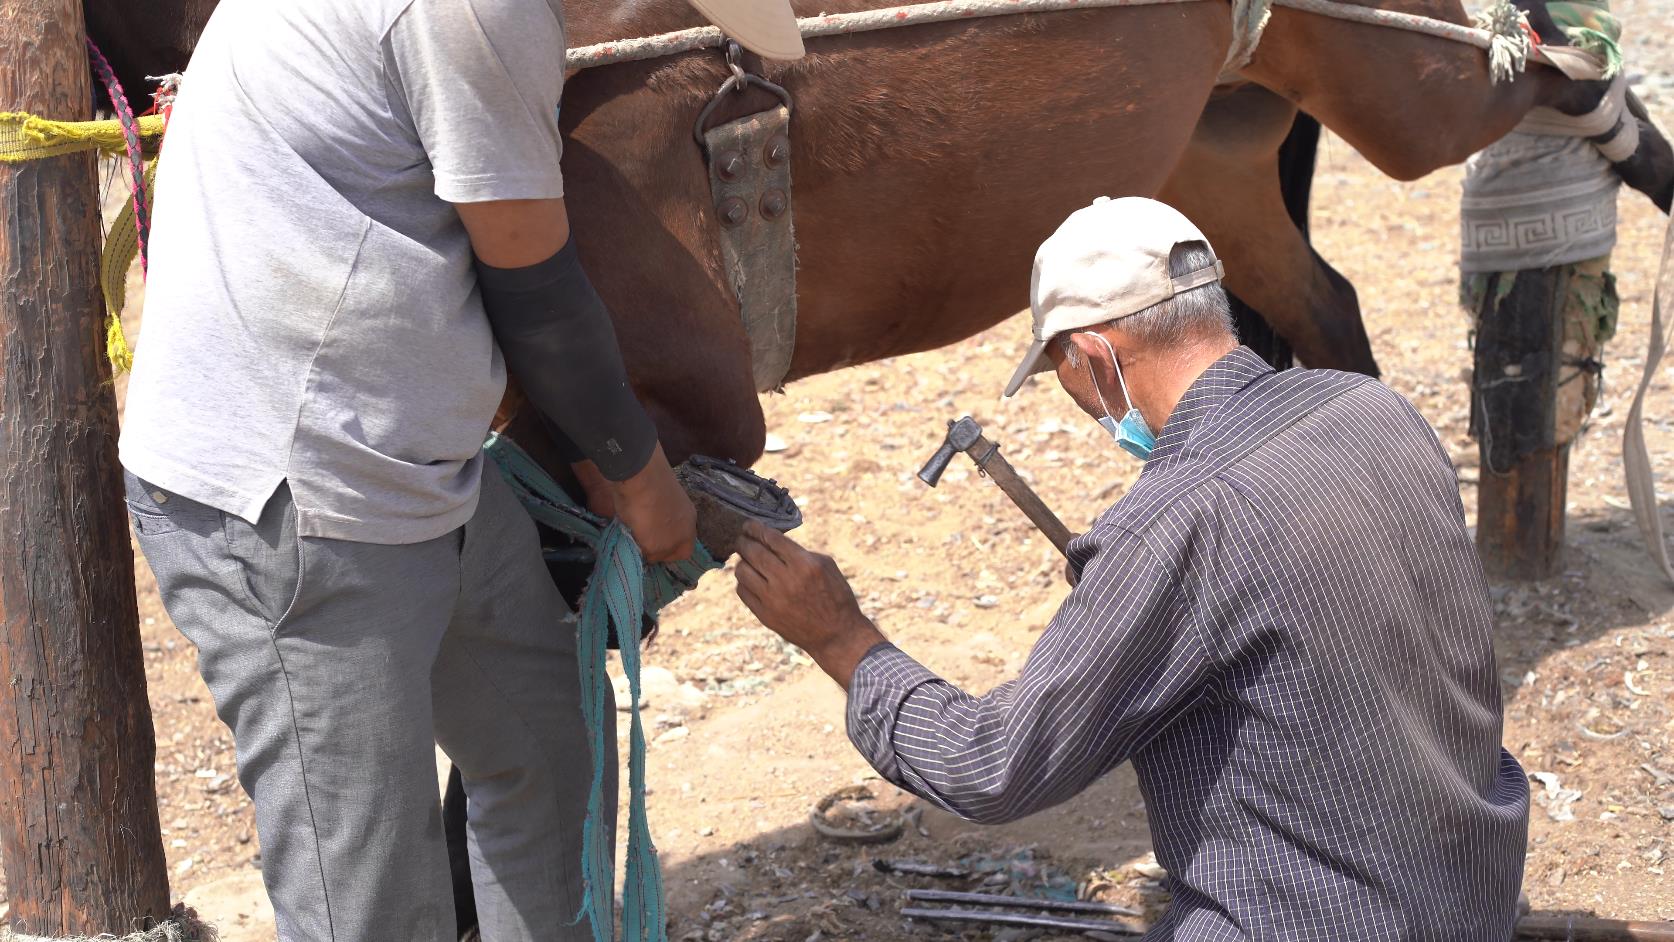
x: 359, y: 232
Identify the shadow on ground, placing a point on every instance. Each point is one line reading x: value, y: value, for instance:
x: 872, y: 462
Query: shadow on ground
x: 793, y: 884
x: 1607, y: 583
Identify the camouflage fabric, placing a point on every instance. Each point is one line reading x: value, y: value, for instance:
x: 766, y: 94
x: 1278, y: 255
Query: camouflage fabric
x: 1590, y: 25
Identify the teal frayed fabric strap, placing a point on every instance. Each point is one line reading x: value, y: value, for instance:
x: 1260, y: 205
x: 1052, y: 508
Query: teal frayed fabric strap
x: 621, y: 591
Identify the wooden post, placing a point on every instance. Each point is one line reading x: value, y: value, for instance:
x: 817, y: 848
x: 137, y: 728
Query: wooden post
x: 1520, y: 517
x: 1524, y: 475
x: 78, y: 805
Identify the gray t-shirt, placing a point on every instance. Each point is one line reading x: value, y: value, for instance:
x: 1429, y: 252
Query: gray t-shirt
x: 311, y: 312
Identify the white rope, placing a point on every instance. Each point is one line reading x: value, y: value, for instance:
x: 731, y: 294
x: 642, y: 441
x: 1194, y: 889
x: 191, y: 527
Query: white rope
x: 1611, y: 115
x: 1601, y: 120
x: 835, y: 24
x: 1508, y: 50
x: 1249, y: 21
x: 1636, y: 459
x: 1250, y: 17
x: 1624, y: 144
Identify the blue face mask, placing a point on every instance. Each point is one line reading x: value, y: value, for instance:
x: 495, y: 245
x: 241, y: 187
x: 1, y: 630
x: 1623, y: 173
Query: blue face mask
x: 1132, y: 435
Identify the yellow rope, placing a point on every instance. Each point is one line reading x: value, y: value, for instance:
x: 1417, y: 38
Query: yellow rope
x: 26, y: 137
x: 121, y: 245
x: 30, y: 137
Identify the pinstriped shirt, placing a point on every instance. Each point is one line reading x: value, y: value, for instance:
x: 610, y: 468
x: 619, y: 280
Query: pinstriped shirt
x: 1285, y: 628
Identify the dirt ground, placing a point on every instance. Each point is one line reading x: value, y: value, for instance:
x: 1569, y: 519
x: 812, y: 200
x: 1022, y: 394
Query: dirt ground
x: 749, y: 735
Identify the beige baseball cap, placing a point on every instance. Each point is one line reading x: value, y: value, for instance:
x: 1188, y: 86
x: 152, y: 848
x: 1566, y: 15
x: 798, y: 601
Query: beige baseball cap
x: 765, y: 27
x: 1107, y: 261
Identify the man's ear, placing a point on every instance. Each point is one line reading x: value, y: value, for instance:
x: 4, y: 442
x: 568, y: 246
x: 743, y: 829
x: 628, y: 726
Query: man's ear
x: 1088, y: 345
x: 1076, y: 373
x: 1096, y: 351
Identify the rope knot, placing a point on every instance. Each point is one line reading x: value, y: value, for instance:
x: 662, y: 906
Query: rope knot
x: 1509, y: 47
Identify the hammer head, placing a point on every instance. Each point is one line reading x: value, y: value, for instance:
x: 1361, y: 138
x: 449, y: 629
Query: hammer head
x: 961, y: 435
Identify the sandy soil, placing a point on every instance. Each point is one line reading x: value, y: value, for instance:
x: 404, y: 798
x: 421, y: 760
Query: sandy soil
x: 749, y: 733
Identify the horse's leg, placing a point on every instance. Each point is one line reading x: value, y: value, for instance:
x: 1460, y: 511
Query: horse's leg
x: 1228, y: 183
x: 1256, y: 333
x: 1408, y: 102
x: 1411, y: 103
x: 1651, y: 168
x: 654, y: 264
x: 1298, y: 156
x: 1296, y: 182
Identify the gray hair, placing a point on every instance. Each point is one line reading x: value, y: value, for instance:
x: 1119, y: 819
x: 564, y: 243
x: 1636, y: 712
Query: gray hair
x: 1200, y: 313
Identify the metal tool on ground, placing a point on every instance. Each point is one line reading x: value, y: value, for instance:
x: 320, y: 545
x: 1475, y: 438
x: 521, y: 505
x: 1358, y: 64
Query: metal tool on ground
x: 919, y: 868
x: 1012, y: 902
x: 966, y: 436
x: 1059, y: 915
x: 1592, y: 929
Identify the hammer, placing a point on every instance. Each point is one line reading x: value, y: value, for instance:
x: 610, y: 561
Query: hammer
x: 966, y: 435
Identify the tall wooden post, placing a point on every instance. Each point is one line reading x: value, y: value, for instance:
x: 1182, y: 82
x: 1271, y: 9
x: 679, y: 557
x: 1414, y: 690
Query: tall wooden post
x: 1522, y: 486
x: 78, y: 805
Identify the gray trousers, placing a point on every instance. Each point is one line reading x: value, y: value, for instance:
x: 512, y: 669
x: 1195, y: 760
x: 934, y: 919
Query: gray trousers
x: 339, y: 666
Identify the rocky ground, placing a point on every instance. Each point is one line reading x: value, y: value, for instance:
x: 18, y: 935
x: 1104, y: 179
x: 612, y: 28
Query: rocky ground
x: 748, y: 734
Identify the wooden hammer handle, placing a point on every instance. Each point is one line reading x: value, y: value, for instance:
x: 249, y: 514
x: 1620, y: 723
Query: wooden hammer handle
x: 987, y: 456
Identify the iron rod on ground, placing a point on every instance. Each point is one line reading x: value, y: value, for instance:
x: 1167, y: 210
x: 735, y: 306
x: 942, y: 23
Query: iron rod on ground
x: 79, y: 835
x: 1023, y: 919
x: 1019, y: 902
x: 1592, y: 929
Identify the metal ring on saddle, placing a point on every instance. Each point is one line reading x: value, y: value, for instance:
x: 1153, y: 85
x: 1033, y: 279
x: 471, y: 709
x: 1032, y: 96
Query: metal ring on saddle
x: 738, y: 81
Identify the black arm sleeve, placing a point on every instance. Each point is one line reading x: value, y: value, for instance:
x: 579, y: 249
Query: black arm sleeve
x: 560, y: 346
x: 561, y: 444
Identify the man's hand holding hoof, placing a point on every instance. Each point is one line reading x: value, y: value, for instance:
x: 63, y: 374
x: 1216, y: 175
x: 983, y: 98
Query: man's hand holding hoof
x: 657, y: 512
x: 804, y: 598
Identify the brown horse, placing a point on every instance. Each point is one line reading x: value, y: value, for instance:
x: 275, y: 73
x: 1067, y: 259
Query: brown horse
x: 928, y: 163
x: 956, y: 147
x: 930, y: 160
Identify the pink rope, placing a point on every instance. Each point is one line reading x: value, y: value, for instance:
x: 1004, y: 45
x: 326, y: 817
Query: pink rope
x: 130, y: 132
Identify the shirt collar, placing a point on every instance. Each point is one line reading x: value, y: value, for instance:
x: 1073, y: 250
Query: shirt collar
x: 1224, y: 377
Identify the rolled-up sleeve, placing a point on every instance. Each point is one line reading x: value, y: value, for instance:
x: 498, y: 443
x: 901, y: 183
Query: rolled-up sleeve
x: 1121, y: 659
x: 480, y: 80
x: 882, y: 682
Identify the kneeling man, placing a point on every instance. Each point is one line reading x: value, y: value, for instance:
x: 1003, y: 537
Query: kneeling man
x: 1283, y: 625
